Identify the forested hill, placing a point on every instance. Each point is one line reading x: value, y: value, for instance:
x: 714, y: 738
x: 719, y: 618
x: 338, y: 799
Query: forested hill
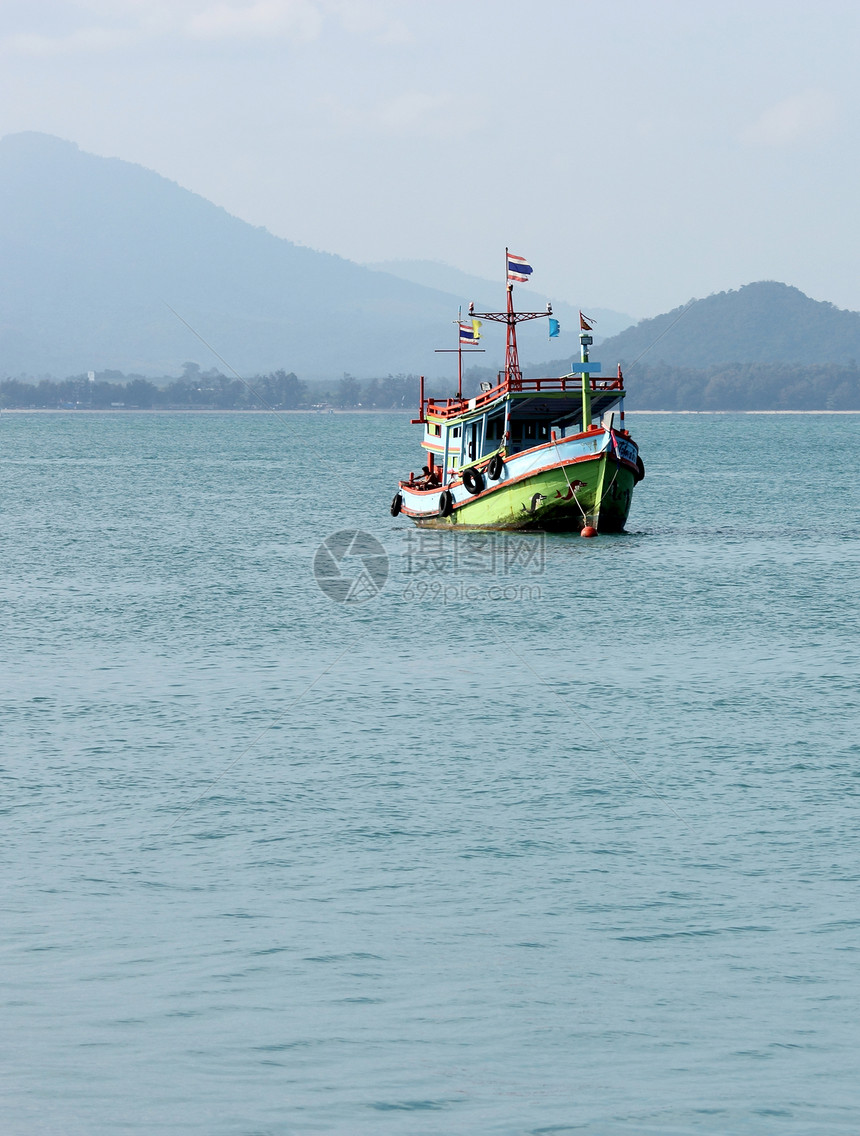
x: 764, y: 346
x: 766, y: 322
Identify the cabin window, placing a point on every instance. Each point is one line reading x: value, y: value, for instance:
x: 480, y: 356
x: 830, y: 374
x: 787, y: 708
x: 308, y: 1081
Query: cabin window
x: 473, y: 434
x: 435, y: 429
x: 455, y: 461
x: 529, y: 429
x: 495, y: 425
x: 455, y: 433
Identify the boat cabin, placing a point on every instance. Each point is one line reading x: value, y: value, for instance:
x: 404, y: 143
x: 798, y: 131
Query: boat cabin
x: 460, y: 432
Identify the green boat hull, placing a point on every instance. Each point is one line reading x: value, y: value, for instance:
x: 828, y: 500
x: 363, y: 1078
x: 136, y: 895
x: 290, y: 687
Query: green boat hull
x: 595, y: 492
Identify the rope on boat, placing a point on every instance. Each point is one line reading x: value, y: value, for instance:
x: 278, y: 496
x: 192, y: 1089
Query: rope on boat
x: 683, y: 312
x: 608, y: 487
x: 221, y: 359
x: 599, y: 505
x: 570, y: 487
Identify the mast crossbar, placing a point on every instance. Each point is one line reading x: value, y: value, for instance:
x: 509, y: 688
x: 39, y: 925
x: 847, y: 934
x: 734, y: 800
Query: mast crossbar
x: 512, y: 317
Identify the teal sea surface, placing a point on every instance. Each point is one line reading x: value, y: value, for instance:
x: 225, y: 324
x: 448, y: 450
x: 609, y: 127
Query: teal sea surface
x: 539, y: 835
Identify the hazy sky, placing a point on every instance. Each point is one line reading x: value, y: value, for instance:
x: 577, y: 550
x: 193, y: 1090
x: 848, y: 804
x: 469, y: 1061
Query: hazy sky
x: 638, y: 153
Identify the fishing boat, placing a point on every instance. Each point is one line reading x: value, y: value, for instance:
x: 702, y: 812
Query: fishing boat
x: 552, y: 454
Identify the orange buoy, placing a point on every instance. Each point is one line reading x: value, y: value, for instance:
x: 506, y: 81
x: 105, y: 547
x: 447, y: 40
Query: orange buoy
x: 588, y: 530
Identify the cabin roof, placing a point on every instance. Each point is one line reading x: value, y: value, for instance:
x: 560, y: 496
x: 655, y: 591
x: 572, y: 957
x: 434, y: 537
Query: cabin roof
x: 529, y: 398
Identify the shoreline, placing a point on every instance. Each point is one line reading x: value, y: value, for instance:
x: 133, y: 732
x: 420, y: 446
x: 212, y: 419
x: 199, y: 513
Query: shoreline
x: 351, y: 411
x: 190, y: 410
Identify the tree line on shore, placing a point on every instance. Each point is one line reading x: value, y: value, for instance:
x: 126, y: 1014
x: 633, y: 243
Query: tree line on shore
x: 744, y: 386
x: 733, y: 386
x: 657, y: 386
x: 207, y: 390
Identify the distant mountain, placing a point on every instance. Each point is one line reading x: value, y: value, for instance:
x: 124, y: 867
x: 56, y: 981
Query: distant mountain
x: 488, y: 294
x: 766, y: 322
x: 762, y: 346
x: 94, y: 248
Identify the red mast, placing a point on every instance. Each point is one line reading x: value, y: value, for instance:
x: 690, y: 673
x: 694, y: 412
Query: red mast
x: 512, y: 359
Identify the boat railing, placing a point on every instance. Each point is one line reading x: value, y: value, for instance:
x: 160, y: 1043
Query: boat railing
x: 454, y: 407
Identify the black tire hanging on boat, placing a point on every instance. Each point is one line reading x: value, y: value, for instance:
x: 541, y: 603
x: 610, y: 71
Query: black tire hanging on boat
x: 495, y: 467
x: 640, y: 470
x: 446, y: 503
x: 473, y: 479
x: 396, y: 504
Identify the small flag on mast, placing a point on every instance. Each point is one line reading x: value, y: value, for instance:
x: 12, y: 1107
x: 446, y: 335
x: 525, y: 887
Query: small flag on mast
x: 518, y: 268
x: 554, y: 328
x: 584, y: 325
x: 470, y: 332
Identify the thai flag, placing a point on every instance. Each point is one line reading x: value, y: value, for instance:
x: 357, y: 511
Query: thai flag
x: 518, y: 268
x: 467, y: 333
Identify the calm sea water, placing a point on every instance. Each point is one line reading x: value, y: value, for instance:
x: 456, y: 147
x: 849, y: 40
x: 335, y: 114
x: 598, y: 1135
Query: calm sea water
x: 567, y: 845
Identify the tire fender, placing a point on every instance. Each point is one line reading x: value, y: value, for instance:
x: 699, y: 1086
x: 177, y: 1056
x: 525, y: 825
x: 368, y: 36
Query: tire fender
x: 495, y: 467
x: 473, y: 480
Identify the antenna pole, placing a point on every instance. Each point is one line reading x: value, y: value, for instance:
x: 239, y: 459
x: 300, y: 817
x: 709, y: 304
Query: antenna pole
x: 459, y: 353
x: 584, y: 341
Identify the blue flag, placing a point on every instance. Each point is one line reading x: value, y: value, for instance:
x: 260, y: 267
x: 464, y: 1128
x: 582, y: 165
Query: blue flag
x: 554, y: 328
